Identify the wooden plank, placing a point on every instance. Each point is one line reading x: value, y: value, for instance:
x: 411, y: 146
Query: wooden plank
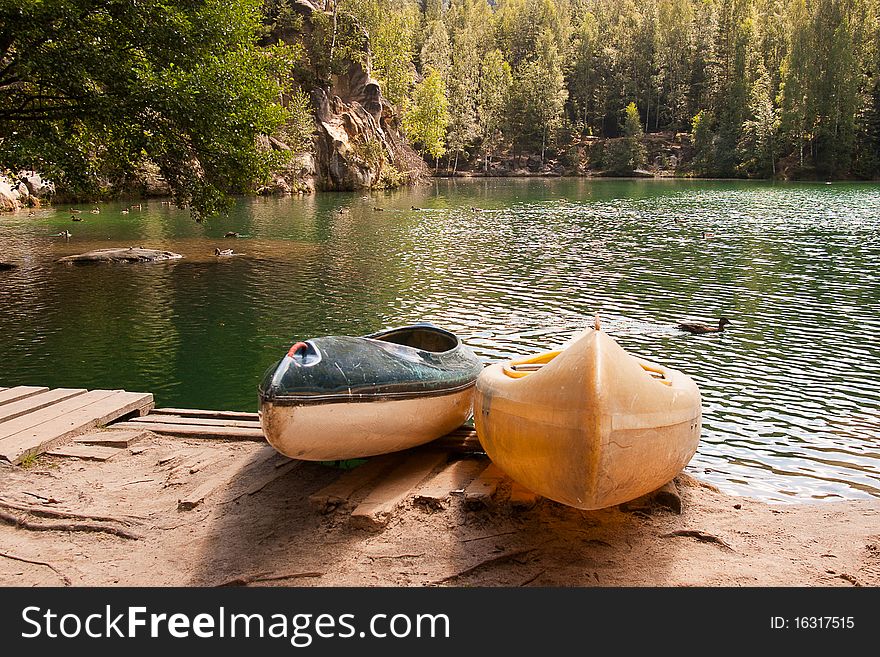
x: 36, y: 402
x: 460, y: 440
x: 189, y: 464
x: 19, y: 392
x: 481, y: 490
x: 521, y: 497
x: 195, y: 412
x: 88, y: 452
x: 196, y: 421
x: 376, y: 509
x: 455, y: 477
x: 194, y: 431
x: 222, y: 479
x: 56, y: 431
x: 52, y: 412
x: 351, y: 481
x: 111, y: 438
x: 261, y: 482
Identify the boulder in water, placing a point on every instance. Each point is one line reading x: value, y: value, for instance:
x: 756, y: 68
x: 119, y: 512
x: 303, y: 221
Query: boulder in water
x: 129, y: 254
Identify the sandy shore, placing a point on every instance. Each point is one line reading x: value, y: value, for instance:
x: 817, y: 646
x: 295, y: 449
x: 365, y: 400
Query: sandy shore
x: 120, y: 522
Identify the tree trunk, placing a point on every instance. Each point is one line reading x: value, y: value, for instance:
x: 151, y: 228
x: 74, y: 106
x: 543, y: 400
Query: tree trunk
x: 455, y: 166
x: 772, y: 158
x: 543, y: 144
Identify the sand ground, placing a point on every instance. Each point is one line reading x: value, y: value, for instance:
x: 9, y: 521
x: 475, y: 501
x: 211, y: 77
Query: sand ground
x: 128, y: 528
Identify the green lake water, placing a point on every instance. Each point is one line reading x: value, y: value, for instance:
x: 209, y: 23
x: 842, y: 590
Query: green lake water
x: 791, y: 397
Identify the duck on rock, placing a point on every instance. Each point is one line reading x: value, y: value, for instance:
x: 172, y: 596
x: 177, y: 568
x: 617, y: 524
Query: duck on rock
x: 699, y: 328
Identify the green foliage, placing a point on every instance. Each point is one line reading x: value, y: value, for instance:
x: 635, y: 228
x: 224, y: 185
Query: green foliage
x: 370, y: 152
x: 496, y: 80
x: 623, y: 156
x: 90, y: 89
x: 583, y: 78
x: 538, y: 98
x: 759, y: 134
x: 426, y: 118
x: 392, y: 27
x: 703, y: 140
x: 389, y: 178
x: 299, y: 129
x: 632, y: 124
x: 436, y: 53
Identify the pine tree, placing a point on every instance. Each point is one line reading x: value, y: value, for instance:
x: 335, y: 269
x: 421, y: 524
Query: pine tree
x: 760, y: 131
x: 436, y: 52
x: 495, y: 83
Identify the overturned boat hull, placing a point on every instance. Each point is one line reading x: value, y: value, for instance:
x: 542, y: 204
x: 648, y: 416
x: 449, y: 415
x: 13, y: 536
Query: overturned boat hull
x: 342, y: 397
x: 361, y: 429
x: 590, y: 426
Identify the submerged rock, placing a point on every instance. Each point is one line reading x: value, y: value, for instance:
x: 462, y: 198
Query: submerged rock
x: 129, y: 254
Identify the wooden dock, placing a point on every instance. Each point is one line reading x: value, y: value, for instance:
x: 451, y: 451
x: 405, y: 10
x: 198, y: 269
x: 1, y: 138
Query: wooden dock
x: 97, y: 425
x: 35, y: 419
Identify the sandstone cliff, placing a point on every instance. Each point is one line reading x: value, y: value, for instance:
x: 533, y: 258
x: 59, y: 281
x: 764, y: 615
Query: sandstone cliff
x: 358, y: 143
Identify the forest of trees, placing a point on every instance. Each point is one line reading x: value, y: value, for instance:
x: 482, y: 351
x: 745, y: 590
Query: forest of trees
x: 761, y: 86
x: 92, y: 90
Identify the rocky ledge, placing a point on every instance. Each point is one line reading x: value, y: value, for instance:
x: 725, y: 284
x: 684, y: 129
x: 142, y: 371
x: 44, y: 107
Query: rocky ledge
x: 130, y: 254
x: 23, y: 189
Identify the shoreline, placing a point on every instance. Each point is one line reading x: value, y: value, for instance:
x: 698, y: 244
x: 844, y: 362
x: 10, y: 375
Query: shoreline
x: 265, y: 530
x: 60, y: 199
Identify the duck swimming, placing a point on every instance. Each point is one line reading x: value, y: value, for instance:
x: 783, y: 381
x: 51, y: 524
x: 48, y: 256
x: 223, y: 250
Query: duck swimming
x: 222, y: 252
x: 699, y: 328
x: 231, y: 234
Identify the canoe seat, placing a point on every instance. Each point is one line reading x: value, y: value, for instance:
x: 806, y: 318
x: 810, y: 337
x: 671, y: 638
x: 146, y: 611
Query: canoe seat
x: 516, y: 369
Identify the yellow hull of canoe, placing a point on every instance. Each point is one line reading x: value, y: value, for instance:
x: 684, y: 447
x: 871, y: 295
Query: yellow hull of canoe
x: 592, y: 426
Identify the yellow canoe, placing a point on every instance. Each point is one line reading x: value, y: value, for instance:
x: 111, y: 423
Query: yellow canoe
x: 589, y: 426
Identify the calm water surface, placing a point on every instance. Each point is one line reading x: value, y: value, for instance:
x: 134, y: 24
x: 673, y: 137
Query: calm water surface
x: 790, y: 391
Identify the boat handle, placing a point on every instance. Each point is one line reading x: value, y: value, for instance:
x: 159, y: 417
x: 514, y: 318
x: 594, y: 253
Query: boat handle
x: 656, y: 374
x: 295, y: 348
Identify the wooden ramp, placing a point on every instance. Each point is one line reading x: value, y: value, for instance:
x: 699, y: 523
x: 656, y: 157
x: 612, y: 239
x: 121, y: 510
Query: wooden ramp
x: 35, y: 419
x: 431, y: 476
x: 196, y: 423
x: 241, y: 425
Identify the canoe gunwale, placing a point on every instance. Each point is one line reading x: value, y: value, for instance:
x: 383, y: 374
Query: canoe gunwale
x: 362, y: 397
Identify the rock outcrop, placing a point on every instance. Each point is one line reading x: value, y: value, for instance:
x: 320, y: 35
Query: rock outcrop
x: 358, y: 143
x: 129, y: 254
x: 24, y: 189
